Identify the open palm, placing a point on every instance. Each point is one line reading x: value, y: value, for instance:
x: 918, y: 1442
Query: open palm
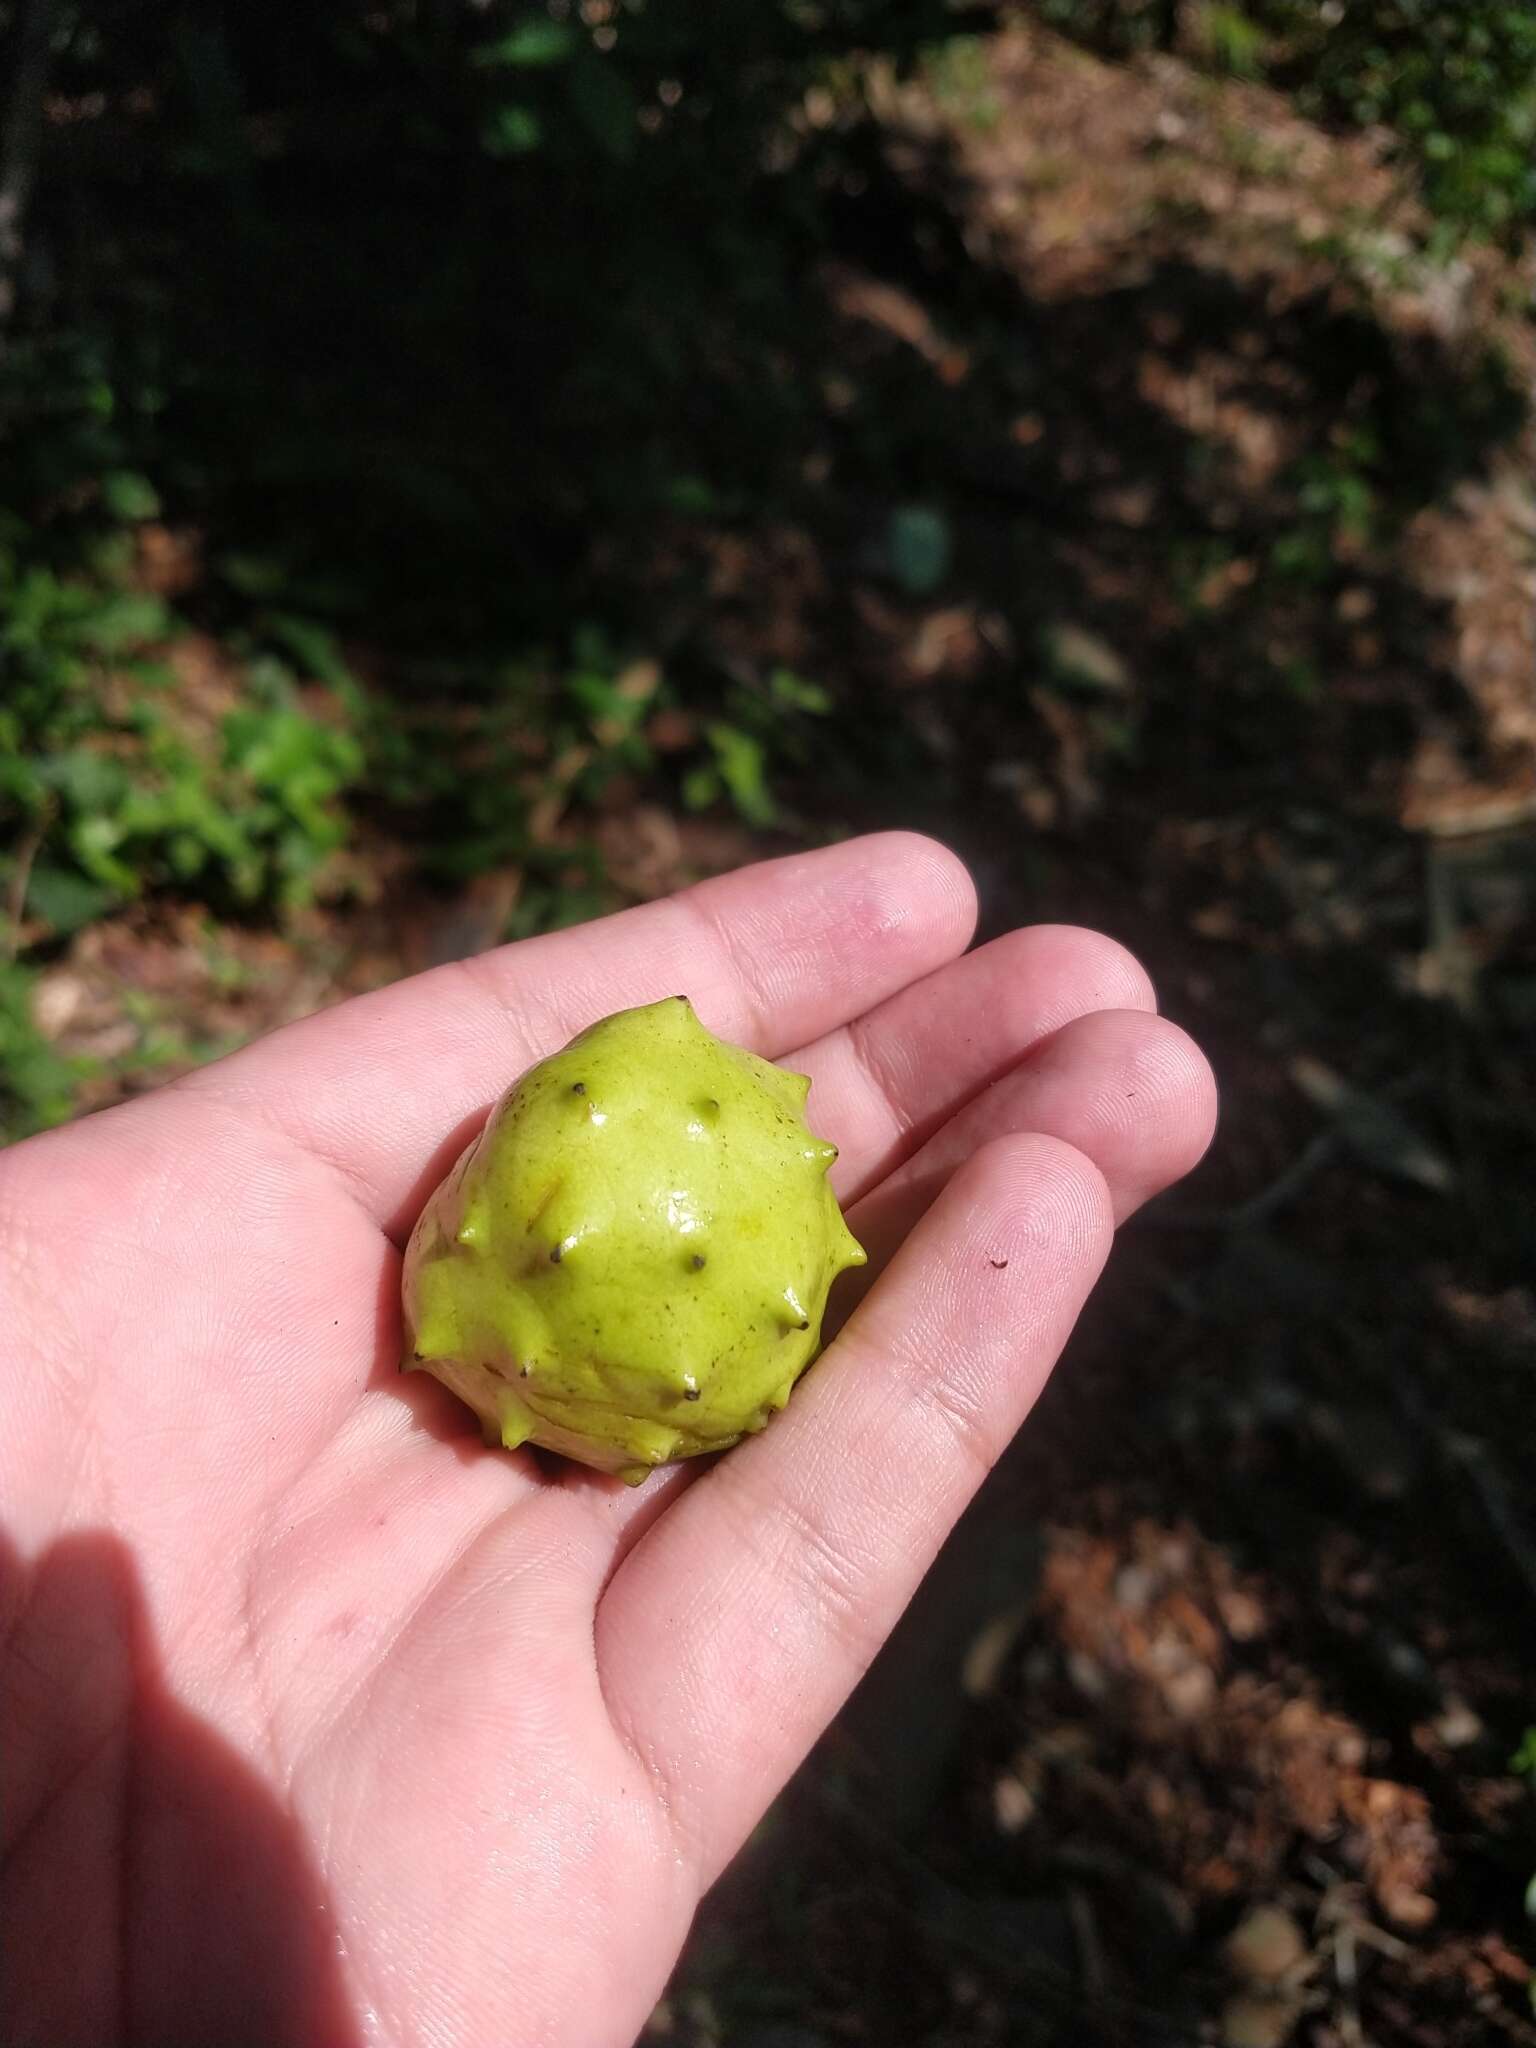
x: 323, y: 1724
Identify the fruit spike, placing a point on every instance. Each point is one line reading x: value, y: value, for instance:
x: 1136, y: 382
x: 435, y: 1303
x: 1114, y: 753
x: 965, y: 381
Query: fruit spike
x: 595, y: 1284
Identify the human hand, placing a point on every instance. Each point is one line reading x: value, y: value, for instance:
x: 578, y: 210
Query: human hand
x: 324, y: 1725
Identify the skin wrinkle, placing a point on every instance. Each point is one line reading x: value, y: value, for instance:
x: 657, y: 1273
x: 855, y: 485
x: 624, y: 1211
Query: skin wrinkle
x: 255, y: 1664
x: 964, y: 1424
x: 265, y: 1518
x: 305, y: 1154
x: 750, y: 1011
x: 344, y: 1705
x: 28, y: 1285
x: 530, y: 1563
x: 526, y: 1810
x: 927, y: 1323
x: 412, y: 1492
x: 899, y: 1121
x: 829, y: 1575
x: 1105, y: 975
x: 671, y: 1810
x: 688, y: 913
x: 869, y: 910
x: 374, y: 1998
x: 689, y: 1774
x: 478, y: 972
x: 334, y: 1733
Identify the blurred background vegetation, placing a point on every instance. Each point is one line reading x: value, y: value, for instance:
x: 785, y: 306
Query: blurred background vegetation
x: 465, y: 466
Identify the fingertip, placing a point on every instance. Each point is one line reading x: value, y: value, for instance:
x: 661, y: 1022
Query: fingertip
x: 914, y: 871
x: 1105, y: 974
x: 1203, y: 1100
x: 1134, y: 1091
x: 1028, y: 1206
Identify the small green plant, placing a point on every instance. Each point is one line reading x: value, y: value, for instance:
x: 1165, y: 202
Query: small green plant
x: 960, y: 75
x: 522, y: 744
x: 1456, y: 85
x: 124, y: 786
x: 116, y: 775
x: 37, y: 1082
x: 1229, y: 40
x: 763, y: 728
x: 1452, y: 87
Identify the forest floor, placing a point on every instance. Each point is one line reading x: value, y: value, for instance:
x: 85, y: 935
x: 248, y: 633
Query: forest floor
x: 1202, y: 1729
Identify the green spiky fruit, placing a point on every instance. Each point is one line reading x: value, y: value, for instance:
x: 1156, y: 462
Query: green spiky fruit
x: 630, y: 1264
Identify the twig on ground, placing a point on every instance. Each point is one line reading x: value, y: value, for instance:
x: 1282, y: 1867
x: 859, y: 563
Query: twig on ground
x: 1090, y: 1949
x: 21, y: 876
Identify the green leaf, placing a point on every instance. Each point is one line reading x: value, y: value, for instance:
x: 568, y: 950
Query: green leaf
x: 691, y: 497
x: 743, y: 770
x: 794, y: 693
x: 94, y: 841
x: 129, y: 496
x: 65, y: 901
x: 511, y: 131
x: 531, y: 45
x: 701, y: 788
x: 312, y: 646
x: 253, y: 575
x: 595, y: 694
x: 37, y: 1082
x: 123, y: 621
x: 92, y: 782
x: 590, y: 647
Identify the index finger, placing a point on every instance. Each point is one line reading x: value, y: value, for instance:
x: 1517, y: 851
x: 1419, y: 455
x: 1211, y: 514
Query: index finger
x: 770, y: 956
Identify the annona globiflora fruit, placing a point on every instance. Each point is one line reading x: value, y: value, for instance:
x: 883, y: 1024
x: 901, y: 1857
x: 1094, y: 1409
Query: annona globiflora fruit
x: 631, y: 1263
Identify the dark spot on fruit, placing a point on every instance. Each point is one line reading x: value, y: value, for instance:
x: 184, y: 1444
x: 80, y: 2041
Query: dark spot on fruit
x: 803, y: 1326
x: 998, y: 1265
x: 578, y: 1087
x: 523, y: 1371
x: 690, y: 1393
x: 697, y: 1262
x: 556, y: 1254
x: 679, y: 999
